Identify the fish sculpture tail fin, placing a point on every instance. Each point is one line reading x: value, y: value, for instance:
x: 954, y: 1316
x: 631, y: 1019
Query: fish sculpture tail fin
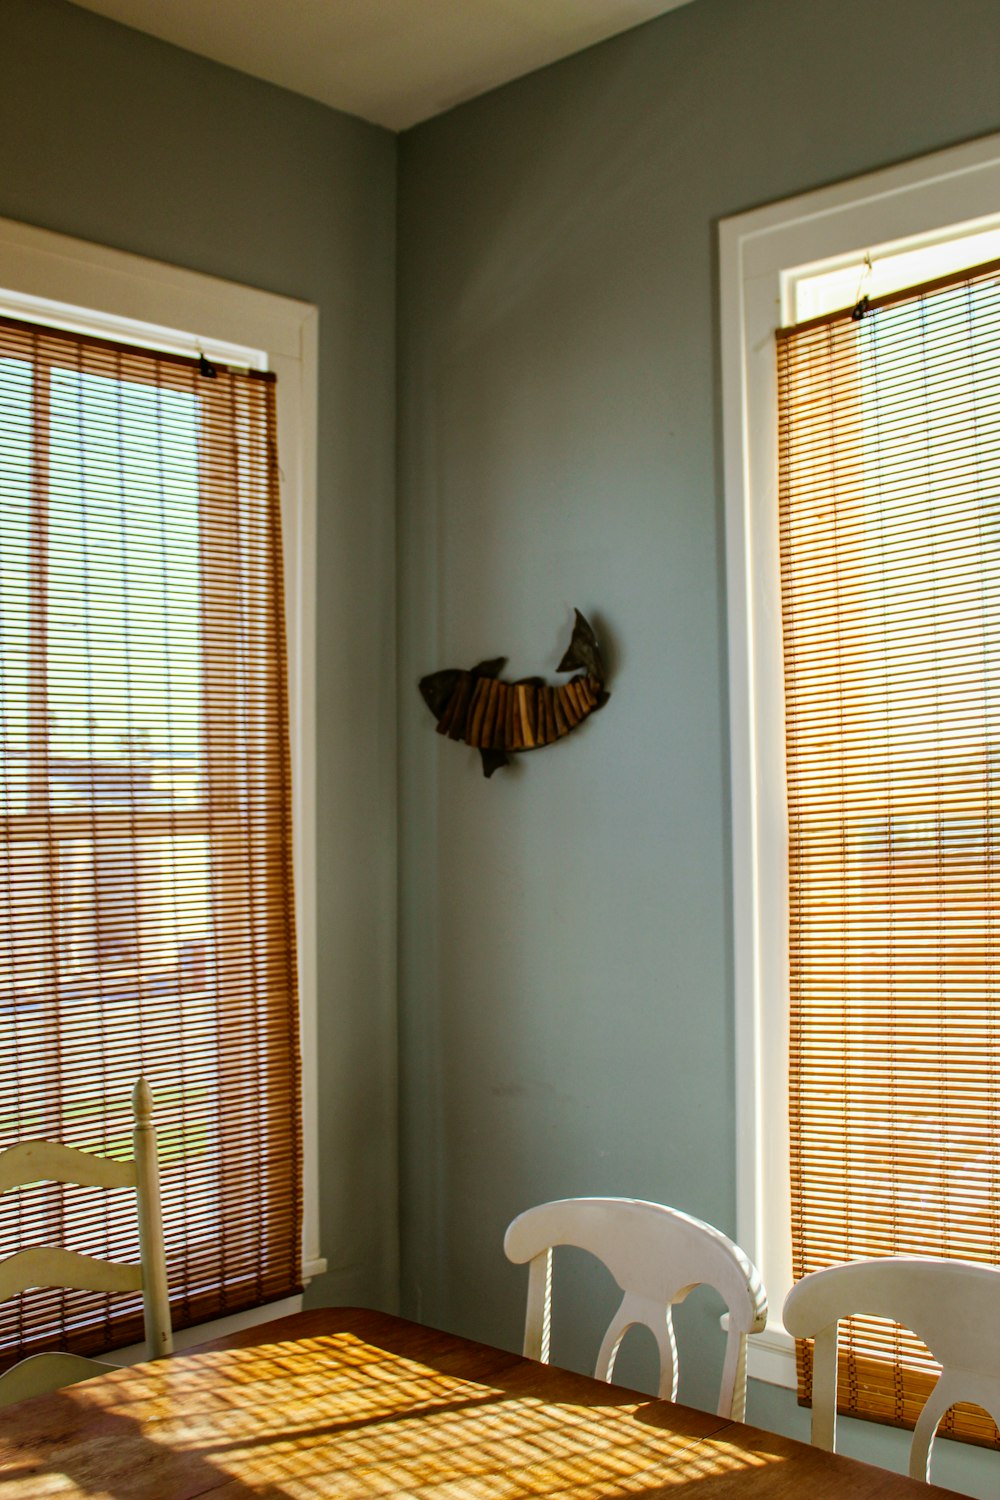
x: 583, y: 653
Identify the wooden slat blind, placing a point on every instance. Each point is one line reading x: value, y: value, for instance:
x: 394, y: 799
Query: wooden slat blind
x: 146, y: 904
x: 890, y: 563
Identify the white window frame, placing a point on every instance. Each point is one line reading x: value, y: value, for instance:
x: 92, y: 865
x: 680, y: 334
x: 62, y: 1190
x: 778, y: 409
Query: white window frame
x: 764, y: 257
x: 53, y: 278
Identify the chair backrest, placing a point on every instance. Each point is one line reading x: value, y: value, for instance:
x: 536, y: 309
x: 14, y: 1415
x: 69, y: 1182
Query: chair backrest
x: 48, y: 1265
x: 952, y: 1305
x: 657, y: 1255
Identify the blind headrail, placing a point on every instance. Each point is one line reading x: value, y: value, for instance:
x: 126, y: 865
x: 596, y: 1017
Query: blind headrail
x: 890, y: 299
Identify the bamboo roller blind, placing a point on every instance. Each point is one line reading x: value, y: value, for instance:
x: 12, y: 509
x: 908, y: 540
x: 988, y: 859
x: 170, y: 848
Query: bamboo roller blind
x: 890, y: 564
x: 146, y: 917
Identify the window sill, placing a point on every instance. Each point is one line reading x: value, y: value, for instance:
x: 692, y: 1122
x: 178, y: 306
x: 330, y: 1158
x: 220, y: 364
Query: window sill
x: 770, y: 1355
x: 186, y: 1338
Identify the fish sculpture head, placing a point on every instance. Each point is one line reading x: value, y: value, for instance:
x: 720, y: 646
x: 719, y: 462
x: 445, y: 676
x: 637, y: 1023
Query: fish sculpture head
x: 437, y: 688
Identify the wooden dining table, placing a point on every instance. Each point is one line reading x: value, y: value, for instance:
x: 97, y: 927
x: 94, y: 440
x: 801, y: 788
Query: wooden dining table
x: 351, y: 1403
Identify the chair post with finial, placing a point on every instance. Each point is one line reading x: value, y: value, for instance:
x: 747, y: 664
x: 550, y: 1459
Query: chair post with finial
x: 155, y: 1290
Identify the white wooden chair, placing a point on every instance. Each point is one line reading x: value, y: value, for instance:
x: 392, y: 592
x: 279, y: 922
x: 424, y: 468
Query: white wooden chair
x: 45, y: 1265
x: 656, y: 1255
x: 952, y: 1305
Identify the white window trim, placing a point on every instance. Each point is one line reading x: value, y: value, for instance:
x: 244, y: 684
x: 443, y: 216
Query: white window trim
x: 763, y: 255
x: 126, y: 296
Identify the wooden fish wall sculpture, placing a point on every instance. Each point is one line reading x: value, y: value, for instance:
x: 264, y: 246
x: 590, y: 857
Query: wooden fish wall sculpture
x: 503, y: 718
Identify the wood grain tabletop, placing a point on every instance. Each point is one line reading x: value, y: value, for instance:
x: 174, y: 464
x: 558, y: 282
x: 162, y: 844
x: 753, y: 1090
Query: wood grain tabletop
x: 350, y: 1403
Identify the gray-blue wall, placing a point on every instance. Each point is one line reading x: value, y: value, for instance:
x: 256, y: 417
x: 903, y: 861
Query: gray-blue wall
x: 566, y: 962
x: 114, y: 137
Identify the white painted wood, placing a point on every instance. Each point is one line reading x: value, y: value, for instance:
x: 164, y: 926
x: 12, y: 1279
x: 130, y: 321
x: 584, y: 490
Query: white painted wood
x: 952, y: 1305
x: 658, y: 1318
x: 216, y: 1328
x: 42, y: 1373
x: 155, y: 1291
x: 763, y: 255
x: 538, y: 1319
x: 49, y: 1161
x: 50, y: 1265
x: 657, y: 1255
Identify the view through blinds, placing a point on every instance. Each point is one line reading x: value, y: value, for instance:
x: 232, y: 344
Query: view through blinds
x: 890, y: 565
x: 146, y: 913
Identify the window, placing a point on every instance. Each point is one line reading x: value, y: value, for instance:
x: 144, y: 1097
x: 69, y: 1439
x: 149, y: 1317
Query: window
x: 889, y: 477
x: 146, y: 914
x: 778, y: 266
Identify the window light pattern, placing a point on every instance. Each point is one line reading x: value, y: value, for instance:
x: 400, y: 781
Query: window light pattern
x: 381, y: 1411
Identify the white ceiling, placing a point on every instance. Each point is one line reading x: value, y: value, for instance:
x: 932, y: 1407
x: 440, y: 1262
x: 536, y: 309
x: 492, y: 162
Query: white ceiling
x: 394, y: 62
